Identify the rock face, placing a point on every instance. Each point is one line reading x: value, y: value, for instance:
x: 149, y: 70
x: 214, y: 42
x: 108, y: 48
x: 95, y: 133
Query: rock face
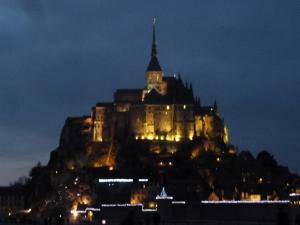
x: 77, y: 150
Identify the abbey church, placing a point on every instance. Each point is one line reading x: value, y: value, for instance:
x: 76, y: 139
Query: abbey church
x: 164, y: 109
x: 164, y: 112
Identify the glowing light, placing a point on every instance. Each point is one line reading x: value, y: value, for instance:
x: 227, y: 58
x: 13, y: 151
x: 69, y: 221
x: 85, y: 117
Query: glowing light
x: 163, y: 195
x: 156, y: 137
x: 90, y: 215
x: 150, y: 137
x: 143, y: 137
x: 294, y: 194
x: 136, y: 137
x: 152, y: 205
x: 260, y: 180
x: 120, y: 205
x: 128, y: 205
x: 218, y: 159
x: 168, y: 107
x: 177, y: 138
x: 170, y: 164
x: 178, y: 202
x: 149, y: 210
x: 246, y: 202
x: 118, y: 180
x: 111, y: 168
x: 103, y: 221
x: 75, y: 213
x: 184, y: 106
x: 162, y: 137
x: 143, y: 180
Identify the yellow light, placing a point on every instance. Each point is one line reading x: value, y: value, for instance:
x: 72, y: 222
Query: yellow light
x: 169, y: 138
x: 177, y: 138
x: 161, y: 163
x: 152, y: 205
x: 74, y: 213
x: 111, y: 168
x: 136, y: 137
x: 156, y: 137
x: 218, y: 159
x: 168, y: 107
x: 90, y: 216
x: 260, y: 180
x: 170, y: 164
x: 150, y: 137
x: 184, y: 106
x: 143, y: 137
x: 162, y: 137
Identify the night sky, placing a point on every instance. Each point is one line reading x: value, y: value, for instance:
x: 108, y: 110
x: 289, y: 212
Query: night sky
x: 58, y: 58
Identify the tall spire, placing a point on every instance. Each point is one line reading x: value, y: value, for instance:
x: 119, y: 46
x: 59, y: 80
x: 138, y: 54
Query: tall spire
x: 215, y: 107
x: 154, y: 47
x: 154, y: 64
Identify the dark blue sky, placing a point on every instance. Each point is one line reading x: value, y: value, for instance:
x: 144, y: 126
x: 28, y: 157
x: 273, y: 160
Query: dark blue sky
x: 59, y: 57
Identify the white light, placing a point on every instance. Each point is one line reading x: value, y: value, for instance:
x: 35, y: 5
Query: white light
x: 76, y: 212
x: 143, y: 180
x: 128, y: 205
x: 103, y: 221
x: 178, y: 202
x: 93, y: 209
x: 121, y: 205
x: 246, y: 202
x: 149, y: 210
x: 119, y: 180
x: 158, y: 197
x: 163, y: 195
x: 294, y: 194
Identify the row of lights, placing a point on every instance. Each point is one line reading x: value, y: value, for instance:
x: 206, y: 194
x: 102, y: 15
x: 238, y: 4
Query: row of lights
x: 168, y: 107
x: 161, y: 137
x: 163, y: 164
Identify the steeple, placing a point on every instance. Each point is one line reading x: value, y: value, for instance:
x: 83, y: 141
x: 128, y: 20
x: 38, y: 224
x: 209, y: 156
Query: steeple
x: 215, y: 107
x: 154, y: 64
x: 154, y: 47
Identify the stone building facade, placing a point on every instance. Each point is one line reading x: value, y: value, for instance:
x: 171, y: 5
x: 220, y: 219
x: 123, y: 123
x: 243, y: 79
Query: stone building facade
x: 165, y: 109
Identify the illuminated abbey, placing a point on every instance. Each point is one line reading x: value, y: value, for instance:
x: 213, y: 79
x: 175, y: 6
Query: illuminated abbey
x: 159, y: 136
x: 164, y: 113
x: 164, y: 110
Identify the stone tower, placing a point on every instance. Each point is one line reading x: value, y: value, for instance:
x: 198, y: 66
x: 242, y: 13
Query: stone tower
x: 154, y: 73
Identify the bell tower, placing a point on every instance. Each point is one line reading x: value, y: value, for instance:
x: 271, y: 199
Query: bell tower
x: 154, y: 73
